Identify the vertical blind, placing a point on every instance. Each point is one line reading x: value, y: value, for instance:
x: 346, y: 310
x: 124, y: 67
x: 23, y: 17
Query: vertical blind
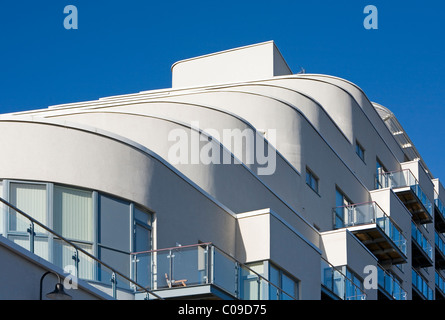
x: 73, y: 213
x: 30, y: 198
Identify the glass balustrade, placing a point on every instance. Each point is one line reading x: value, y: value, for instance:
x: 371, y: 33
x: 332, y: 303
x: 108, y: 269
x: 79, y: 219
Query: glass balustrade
x: 421, y: 285
x: 388, y: 283
x: 202, y: 264
x: 440, y: 207
x: 369, y: 213
x: 421, y: 240
x: 440, y: 283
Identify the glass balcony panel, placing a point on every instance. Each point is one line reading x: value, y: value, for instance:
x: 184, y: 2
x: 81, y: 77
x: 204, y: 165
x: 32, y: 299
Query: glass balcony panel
x: 142, y: 269
x: 421, y: 240
x: 21, y: 240
x: 251, y: 285
x: 187, y: 264
x: 338, y: 283
x: 225, y: 273
x: 162, y: 269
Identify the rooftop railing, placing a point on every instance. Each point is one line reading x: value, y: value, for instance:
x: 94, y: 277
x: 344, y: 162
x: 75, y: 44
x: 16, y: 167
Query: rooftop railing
x: 334, y: 280
x: 369, y: 213
x: 47, y: 244
x: 203, y: 264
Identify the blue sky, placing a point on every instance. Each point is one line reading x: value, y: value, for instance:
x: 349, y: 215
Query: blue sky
x: 128, y: 46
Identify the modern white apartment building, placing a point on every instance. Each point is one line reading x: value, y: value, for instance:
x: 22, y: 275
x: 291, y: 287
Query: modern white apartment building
x: 242, y: 181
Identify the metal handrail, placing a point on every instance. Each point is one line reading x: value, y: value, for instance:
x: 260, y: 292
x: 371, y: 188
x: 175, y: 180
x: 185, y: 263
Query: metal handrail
x: 77, y: 247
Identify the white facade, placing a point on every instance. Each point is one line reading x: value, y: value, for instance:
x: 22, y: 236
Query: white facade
x: 298, y: 182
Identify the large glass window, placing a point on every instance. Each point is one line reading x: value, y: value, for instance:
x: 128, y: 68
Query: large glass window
x: 73, y: 220
x: 114, y: 232
x: 341, y: 203
x: 142, y: 234
x: 73, y: 213
x: 31, y: 199
x: 99, y: 224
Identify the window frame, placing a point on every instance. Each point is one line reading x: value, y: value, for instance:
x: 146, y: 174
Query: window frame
x: 310, y: 178
x: 360, y: 150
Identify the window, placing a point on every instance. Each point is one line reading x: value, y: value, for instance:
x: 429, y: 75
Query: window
x: 312, y: 180
x: 288, y: 287
x: 73, y: 220
x: 142, y: 232
x: 360, y: 150
x: 73, y: 214
x: 380, y: 168
x: 341, y: 202
x: 31, y: 198
x: 283, y: 281
x: 354, y: 285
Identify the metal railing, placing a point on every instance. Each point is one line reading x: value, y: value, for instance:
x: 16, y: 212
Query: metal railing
x: 369, y: 213
x: 203, y: 264
x: 64, y: 253
x: 338, y: 283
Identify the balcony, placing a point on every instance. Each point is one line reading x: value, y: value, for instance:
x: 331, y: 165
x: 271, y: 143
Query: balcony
x: 422, y: 250
x: 370, y: 224
x: 407, y: 188
x: 201, y: 271
x: 439, y: 251
x: 440, y: 287
x: 336, y: 286
x: 421, y: 290
x: 389, y: 286
x: 439, y: 215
